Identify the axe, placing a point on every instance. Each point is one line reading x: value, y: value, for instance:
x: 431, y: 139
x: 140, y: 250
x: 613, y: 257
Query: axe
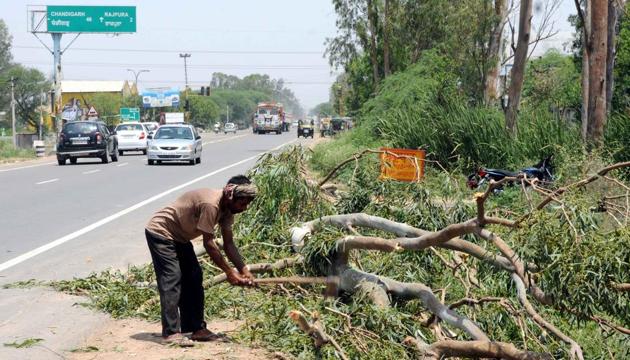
x: 331, y: 282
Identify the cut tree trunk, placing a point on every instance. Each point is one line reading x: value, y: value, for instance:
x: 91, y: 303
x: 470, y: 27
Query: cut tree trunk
x: 613, y: 16
x: 518, y: 70
x: 597, y: 72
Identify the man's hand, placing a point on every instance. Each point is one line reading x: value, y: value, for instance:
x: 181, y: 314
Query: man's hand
x: 236, y: 279
x: 247, y: 274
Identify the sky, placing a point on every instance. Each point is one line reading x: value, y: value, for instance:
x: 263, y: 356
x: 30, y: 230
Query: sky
x: 281, y: 38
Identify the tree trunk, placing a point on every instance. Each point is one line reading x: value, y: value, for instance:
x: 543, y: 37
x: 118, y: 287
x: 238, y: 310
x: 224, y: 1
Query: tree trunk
x: 518, y: 70
x: 386, y: 36
x: 373, y: 50
x: 597, y: 72
x: 586, y: 26
x: 494, y: 49
x: 613, y: 17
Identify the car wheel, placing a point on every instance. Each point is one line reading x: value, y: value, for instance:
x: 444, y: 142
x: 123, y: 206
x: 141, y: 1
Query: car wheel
x: 150, y: 162
x: 73, y: 161
x: 105, y: 157
x: 115, y: 155
x: 198, y: 160
x: 120, y: 152
x: 191, y: 162
x: 144, y: 152
x: 61, y: 161
x: 159, y: 162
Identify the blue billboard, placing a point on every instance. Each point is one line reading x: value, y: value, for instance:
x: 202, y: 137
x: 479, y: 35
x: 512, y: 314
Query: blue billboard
x: 152, y: 98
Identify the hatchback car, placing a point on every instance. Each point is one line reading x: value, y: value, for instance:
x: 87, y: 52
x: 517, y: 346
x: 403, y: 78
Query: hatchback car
x: 86, y: 139
x: 176, y: 142
x: 132, y: 136
x: 230, y: 127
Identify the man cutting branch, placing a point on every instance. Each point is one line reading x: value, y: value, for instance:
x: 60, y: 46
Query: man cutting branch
x: 179, y: 276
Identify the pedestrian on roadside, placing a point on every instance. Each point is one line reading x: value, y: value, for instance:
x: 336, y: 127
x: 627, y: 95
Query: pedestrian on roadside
x: 179, y: 276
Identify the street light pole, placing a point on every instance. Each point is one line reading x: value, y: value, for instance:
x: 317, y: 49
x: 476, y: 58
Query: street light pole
x: 13, y: 111
x: 136, y: 74
x: 185, y: 56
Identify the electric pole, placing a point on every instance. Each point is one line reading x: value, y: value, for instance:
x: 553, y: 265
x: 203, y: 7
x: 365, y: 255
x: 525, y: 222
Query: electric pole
x: 227, y: 116
x: 185, y: 56
x: 13, y: 111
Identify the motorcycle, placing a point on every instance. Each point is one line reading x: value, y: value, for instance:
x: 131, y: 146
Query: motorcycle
x: 543, y: 171
x: 216, y: 128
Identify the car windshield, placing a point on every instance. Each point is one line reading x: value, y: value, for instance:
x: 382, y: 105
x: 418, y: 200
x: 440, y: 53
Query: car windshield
x: 274, y: 111
x: 129, y: 127
x: 174, y: 133
x: 229, y: 125
x: 80, y: 128
x: 262, y: 111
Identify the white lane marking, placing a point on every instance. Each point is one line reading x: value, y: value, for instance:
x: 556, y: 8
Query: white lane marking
x: 46, y: 181
x: 91, y: 172
x: 21, y: 258
x: 123, y: 164
x: 222, y: 140
x: 26, y: 167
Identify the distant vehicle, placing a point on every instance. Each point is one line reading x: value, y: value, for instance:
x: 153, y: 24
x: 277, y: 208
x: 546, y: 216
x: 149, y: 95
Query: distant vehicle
x: 132, y: 136
x: 86, y: 139
x: 269, y: 117
x: 230, y: 127
x: 175, y: 142
x: 295, y: 123
x: 151, y: 126
x: 305, y: 129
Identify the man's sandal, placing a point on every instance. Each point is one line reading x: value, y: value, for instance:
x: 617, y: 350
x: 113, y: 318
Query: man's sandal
x: 206, y: 335
x: 177, y: 340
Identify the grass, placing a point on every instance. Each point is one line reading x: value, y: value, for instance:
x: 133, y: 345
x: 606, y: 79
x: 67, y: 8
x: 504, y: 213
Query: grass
x: 27, y: 343
x: 9, y: 153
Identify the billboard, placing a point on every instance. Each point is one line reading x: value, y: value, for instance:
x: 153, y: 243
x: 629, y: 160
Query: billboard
x: 160, y: 98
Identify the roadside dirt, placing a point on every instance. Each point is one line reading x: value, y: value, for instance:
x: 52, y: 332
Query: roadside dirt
x: 138, y: 339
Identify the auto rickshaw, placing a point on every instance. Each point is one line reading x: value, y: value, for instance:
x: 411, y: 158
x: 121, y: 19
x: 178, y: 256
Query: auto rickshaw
x: 325, y: 127
x: 305, y: 129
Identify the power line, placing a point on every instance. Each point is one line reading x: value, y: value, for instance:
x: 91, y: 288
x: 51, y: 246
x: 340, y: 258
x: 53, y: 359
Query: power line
x: 205, y: 66
x: 236, y: 52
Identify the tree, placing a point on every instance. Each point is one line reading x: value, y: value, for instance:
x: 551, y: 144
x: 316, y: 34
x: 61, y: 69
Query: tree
x: 323, y: 109
x: 597, y: 61
x: 203, y: 111
x: 31, y: 88
x: 494, y: 48
x: 107, y: 105
x: 518, y: 69
x: 621, y: 97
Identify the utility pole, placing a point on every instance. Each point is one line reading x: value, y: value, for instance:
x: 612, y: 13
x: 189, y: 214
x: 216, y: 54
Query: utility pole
x: 41, y: 115
x: 185, y: 56
x: 227, y: 107
x: 13, y: 111
x: 136, y: 74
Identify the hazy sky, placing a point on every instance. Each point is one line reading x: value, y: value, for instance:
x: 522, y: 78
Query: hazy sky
x: 217, y: 33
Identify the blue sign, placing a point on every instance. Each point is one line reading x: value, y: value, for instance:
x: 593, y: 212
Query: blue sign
x: 160, y: 98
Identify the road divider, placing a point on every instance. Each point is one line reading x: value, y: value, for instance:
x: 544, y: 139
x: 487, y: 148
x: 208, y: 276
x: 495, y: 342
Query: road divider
x: 30, y: 254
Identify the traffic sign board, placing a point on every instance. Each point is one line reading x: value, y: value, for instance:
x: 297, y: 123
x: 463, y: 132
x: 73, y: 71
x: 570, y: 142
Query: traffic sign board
x: 91, y: 19
x: 129, y: 114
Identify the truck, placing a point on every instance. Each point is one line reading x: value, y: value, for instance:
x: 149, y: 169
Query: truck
x: 269, y: 117
x: 172, y: 118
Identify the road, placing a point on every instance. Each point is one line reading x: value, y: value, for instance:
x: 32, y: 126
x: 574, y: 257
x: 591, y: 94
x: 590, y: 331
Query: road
x: 59, y: 222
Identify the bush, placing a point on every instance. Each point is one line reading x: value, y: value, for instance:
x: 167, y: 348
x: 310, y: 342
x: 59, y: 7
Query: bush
x: 8, y: 152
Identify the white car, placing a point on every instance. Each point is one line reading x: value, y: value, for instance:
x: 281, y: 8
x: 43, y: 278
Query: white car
x: 175, y: 142
x: 230, y: 127
x: 132, y: 136
x: 151, y: 126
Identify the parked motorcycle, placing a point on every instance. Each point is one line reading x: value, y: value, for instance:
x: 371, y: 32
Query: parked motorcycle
x: 543, y: 171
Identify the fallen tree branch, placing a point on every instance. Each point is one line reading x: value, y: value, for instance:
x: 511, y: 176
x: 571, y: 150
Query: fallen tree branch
x: 471, y: 349
x: 258, y: 268
x: 625, y: 287
x: 316, y: 331
x: 521, y: 293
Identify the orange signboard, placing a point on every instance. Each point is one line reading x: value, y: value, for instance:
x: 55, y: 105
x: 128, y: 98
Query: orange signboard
x: 402, y: 164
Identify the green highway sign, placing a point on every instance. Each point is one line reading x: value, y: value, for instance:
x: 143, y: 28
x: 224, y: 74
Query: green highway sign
x: 91, y: 19
x: 129, y: 114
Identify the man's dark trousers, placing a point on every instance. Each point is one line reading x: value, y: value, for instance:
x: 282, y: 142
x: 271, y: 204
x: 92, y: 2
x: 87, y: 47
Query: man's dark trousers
x: 179, y: 280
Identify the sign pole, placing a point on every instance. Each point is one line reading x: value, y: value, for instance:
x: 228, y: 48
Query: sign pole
x: 56, y: 37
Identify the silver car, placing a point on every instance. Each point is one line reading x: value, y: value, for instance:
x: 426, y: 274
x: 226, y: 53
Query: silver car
x: 230, y: 127
x: 177, y: 142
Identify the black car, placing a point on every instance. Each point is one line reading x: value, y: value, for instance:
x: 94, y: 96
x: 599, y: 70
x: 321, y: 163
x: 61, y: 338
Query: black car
x: 86, y: 139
